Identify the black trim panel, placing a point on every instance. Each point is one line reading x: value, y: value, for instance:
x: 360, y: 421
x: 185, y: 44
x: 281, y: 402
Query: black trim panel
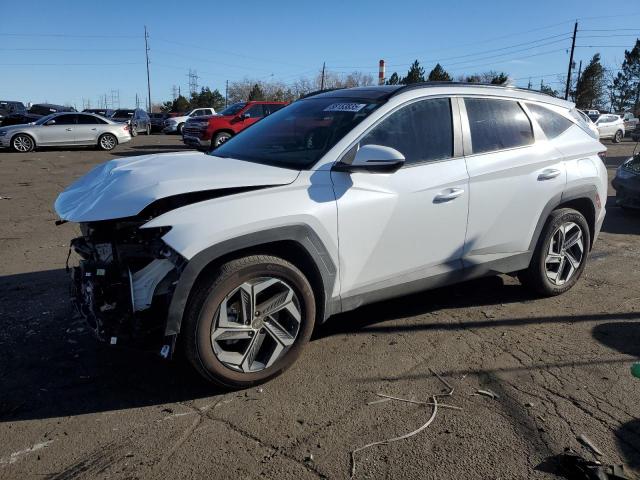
x: 302, y: 234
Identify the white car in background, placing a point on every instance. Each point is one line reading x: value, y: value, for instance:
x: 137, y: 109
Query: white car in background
x: 610, y: 126
x: 588, y: 123
x: 176, y: 124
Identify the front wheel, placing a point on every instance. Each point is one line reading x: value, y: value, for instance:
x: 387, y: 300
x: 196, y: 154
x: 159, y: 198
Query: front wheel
x: 617, y: 138
x: 180, y: 128
x: 220, y: 138
x: 249, y: 321
x: 148, y: 130
x: 560, y: 255
x: 23, y: 143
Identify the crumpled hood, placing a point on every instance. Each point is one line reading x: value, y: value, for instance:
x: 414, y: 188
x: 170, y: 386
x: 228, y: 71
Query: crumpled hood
x: 124, y: 187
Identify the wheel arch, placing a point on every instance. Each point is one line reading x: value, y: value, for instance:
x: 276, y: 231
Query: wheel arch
x: 580, y: 198
x: 35, y: 144
x: 298, y: 244
x: 107, y: 133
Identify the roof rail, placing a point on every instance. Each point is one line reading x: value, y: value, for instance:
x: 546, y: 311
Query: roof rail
x: 413, y: 86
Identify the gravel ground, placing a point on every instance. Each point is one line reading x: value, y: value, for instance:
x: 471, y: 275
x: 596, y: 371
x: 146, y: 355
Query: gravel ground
x: 70, y: 408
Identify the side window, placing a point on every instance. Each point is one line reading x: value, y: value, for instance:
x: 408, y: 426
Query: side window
x: 272, y: 107
x: 65, y: 119
x: 87, y: 120
x: 497, y: 124
x: 552, y: 123
x: 421, y: 131
x: 254, y: 111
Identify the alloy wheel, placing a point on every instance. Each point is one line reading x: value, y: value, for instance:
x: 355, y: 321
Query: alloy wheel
x: 565, y: 254
x: 22, y: 143
x: 107, y: 142
x: 256, y: 324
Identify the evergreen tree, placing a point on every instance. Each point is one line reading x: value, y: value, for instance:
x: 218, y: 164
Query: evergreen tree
x: 592, y: 85
x: 439, y: 74
x: 256, y: 93
x: 625, y: 87
x: 548, y: 90
x: 414, y: 75
x: 180, y: 104
x: 499, y: 79
x: 394, y: 79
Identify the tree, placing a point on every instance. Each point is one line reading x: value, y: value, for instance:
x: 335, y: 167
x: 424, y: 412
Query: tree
x: 414, y: 75
x: 256, y: 93
x: 624, y: 89
x: 180, y: 104
x: 499, y: 79
x: 439, y: 74
x: 592, y: 85
x: 207, y: 98
x: 548, y: 90
x: 394, y: 79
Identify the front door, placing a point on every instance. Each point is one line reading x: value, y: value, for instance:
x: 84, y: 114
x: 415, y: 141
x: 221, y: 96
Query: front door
x: 404, y: 231
x: 60, y: 133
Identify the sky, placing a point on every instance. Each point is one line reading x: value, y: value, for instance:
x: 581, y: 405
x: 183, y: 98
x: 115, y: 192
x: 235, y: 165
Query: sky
x: 74, y: 52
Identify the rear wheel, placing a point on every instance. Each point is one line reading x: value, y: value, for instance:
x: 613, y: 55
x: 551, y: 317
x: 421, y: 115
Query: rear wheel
x: 220, y: 138
x: 23, y: 143
x: 148, y: 130
x: 107, y: 141
x: 249, y: 321
x: 561, y: 254
x: 617, y: 138
x: 134, y: 130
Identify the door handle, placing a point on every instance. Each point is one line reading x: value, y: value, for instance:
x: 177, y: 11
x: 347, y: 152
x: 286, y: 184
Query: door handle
x: 68, y: 129
x: 94, y: 129
x: 448, y: 195
x: 548, y: 174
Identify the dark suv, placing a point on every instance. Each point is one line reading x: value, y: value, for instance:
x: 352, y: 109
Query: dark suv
x: 35, y: 112
x: 157, y: 121
x: 137, y: 119
x: 8, y: 107
x: 214, y: 130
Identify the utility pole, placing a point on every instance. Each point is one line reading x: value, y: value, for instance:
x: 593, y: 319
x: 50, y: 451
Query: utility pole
x: 226, y: 94
x: 174, y: 92
x: 137, y: 101
x: 578, y: 80
x: 193, y: 81
x: 146, y: 52
x: 573, y: 47
x: 322, y: 79
x: 529, y: 84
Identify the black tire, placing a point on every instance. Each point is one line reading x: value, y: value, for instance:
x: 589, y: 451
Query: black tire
x: 107, y: 141
x: 179, y: 128
x: 219, y: 138
x: 203, y: 305
x: 148, y: 130
x: 134, y: 130
x: 23, y: 143
x: 535, y: 277
x: 617, y: 138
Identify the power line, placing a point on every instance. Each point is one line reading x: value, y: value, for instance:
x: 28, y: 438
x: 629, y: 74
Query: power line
x: 64, y: 35
x: 70, y: 64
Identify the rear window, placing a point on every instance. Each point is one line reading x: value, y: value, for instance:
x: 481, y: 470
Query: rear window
x: 552, y: 123
x: 497, y: 124
x: 123, y: 114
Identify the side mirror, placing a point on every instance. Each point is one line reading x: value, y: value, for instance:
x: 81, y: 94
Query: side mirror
x: 50, y: 122
x: 244, y: 116
x: 374, y: 159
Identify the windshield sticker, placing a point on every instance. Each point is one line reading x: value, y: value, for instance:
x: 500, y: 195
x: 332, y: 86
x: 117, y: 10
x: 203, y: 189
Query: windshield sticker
x: 345, y: 107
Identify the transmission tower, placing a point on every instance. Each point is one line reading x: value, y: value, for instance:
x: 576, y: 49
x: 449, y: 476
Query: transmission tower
x: 174, y: 92
x: 193, y: 81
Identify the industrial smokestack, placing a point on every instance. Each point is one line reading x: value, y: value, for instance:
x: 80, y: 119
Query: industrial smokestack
x: 381, y: 73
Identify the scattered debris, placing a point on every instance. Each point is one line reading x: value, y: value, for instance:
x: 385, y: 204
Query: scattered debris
x: 572, y: 466
x: 433, y: 402
x: 583, y: 439
x: 15, y: 455
x: 4, y: 198
x: 260, y: 390
x: 309, y: 458
x: 529, y: 404
x: 487, y: 393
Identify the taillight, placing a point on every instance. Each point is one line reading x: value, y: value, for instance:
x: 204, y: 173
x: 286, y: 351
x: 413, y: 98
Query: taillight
x: 126, y: 128
x: 603, y: 155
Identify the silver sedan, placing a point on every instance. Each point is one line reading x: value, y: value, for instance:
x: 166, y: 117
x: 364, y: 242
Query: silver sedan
x: 65, y: 129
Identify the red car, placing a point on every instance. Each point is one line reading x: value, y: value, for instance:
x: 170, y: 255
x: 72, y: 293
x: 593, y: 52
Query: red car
x: 213, y: 130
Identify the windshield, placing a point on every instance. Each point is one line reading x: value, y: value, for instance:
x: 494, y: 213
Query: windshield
x: 123, y: 114
x: 233, y: 109
x: 43, y: 120
x: 297, y: 136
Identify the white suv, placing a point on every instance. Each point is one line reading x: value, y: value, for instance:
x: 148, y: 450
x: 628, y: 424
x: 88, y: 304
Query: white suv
x: 176, y: 124
x: 610, y: 127
x: 340, y: 199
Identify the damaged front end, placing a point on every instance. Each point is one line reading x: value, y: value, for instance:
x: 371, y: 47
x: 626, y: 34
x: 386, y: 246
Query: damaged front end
x: 125, y: 281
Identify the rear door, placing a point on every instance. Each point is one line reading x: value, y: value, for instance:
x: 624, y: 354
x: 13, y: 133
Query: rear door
x: 86, y: 131
x: 513, y: 173
x: 61, y: 133
x: 399, y: 230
